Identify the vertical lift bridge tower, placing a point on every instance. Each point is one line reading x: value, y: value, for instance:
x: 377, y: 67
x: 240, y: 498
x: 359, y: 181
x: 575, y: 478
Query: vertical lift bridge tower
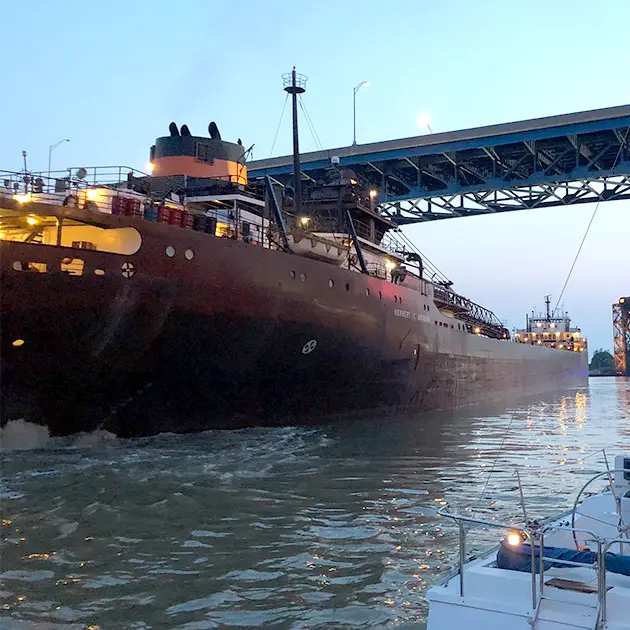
x: 621, y: 336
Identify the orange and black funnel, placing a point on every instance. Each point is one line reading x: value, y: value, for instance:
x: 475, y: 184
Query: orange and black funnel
x: 184, y: 154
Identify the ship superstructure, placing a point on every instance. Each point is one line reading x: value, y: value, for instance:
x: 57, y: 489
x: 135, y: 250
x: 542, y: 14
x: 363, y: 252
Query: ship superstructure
x: 551, y: 331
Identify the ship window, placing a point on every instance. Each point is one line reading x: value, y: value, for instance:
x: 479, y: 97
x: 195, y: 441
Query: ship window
x: 347, y: 287
x: 36, y: 267
x: 367, y: 292
x: 303, y: 277
x: 99, y: 272
x: 189, y: 254
x: 380, y: 295
x: 170, y: 251
x: 72, y: 266
x: 292, y: 274
x: 436, y: 322
x: 331, y: 283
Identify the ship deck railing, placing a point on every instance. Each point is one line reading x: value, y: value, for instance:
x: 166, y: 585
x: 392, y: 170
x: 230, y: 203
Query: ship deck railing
x: 536, y: 537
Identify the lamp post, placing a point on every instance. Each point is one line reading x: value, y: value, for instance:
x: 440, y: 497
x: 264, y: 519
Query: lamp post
x: 354, y: 109
x: 424, y: 120
x: 51, y: 148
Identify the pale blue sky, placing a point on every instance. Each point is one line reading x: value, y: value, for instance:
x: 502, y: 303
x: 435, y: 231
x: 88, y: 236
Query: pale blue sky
x: 111, y: 76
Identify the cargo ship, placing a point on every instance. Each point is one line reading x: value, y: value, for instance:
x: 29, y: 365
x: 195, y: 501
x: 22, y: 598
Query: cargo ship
x: 190, y: 298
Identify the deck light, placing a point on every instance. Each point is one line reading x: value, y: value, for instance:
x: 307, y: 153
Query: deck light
x: 305, y: 221
x: 32, y: 221
x: 373, y: 194
x: 514, y: 538
x: 389, y: 265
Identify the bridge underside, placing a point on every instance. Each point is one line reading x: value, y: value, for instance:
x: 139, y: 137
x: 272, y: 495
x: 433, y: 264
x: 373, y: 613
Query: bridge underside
x: 554, y: 161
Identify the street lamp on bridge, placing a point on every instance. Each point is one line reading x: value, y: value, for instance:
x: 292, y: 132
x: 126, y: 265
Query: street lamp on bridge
x: 51, y: 148
x: 424, y: 120
x: 354, y: 109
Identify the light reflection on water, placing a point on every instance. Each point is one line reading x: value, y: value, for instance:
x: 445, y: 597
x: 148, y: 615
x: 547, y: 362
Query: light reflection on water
x: 327, y: 527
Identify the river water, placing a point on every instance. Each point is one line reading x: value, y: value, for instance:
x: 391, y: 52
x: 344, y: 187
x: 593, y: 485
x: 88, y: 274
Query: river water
x: 321, y: 527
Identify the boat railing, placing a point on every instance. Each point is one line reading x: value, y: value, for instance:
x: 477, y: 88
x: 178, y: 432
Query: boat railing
x: 53, y: 186
x: 536, y: 537
x: 461, y: 521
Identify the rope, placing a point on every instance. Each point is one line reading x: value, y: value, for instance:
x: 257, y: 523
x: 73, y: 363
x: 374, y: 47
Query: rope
x: 273, y: 144
x: 621, y: 145
x: 310, y: 124
x: 485, y: 487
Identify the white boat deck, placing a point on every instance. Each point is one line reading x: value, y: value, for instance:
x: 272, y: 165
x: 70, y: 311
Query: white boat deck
x: 585, y: 596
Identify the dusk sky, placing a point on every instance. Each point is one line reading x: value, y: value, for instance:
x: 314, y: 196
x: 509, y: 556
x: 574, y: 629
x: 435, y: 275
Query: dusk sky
x: 111, y: 76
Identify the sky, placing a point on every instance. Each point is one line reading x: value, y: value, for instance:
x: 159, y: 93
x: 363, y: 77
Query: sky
x: 111, y: 76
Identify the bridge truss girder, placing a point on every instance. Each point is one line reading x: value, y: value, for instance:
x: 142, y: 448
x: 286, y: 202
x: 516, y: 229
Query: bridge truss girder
x: 554, y: 161
x: 508, y: 198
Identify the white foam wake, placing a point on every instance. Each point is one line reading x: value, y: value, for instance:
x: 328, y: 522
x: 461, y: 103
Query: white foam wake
x: 19, y: 435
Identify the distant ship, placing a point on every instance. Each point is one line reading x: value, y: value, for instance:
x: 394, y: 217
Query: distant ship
x: 191, y: 299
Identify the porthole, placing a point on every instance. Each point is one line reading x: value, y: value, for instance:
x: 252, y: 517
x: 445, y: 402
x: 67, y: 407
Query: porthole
x: 380, y: 295
x: 292, y: 274
x: 395, y: 298
x: 99, y: 272
x: 189, y: 254
x: 367, y: 292
x: 331, y: 283
x: 347, y: 287
x: 400, y: 300
x: 303, y: 277
x: 170, y: 251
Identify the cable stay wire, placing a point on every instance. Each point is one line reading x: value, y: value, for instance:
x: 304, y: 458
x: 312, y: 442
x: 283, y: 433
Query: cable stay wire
x: 588, y: 227
x: 273, y: 144
x: 310, y: 123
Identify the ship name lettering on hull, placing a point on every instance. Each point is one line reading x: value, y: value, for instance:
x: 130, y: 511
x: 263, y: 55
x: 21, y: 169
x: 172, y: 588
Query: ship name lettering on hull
x: 398, y: 312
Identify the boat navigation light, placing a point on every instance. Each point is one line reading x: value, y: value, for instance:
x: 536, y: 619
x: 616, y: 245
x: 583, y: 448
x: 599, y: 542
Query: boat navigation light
x: 32, y: 221
x: 514, y: 538
x: 373, y: 194
x: 478, y: 331
x: 621, y: 300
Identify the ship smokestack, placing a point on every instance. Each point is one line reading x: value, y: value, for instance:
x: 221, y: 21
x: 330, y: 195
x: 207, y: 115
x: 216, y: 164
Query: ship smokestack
x: 173, y: 129
x: 185, y: 131
x: 213, y: 130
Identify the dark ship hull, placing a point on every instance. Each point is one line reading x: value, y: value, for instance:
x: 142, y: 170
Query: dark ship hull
x: 237, y: 336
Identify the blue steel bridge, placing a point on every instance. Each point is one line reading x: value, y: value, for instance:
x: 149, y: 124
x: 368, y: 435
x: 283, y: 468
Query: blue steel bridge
x: 553, y: 161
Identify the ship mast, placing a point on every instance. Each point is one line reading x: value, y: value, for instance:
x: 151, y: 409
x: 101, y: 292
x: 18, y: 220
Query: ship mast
x: 294, y: 84
x: 548, y: 303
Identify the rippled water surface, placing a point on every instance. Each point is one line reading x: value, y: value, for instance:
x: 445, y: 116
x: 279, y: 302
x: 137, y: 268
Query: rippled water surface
x: 326, y: 527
